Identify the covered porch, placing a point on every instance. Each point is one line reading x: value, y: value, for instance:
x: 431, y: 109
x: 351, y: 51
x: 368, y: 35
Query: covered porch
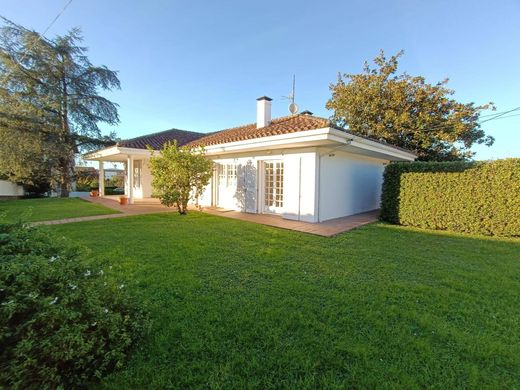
x: 137, y: 180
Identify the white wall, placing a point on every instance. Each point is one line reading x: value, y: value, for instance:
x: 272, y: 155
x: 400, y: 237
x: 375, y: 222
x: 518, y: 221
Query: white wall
x: 145, y: 190
x: 8, y: 188
x: 206, y: 198
x: 348, y: 184
x: 146, y: 180
x: 247, y: 194
x: 299, y: 187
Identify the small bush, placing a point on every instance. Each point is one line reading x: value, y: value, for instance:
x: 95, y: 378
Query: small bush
x: 470, y: 197
x: 114, y: 190
x: 62, y: 323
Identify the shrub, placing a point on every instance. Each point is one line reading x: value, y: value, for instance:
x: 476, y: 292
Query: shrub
x: 114, y: 191
x: 62, y: 323
x: 471, y: 197
x: 180, y: 175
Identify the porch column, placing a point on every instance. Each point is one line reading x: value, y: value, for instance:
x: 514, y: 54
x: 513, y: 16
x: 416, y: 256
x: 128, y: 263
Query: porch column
x: 130, y: 180
x: 101, y: 179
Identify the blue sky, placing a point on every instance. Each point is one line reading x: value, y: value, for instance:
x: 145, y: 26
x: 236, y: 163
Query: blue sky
x: 200, y: 65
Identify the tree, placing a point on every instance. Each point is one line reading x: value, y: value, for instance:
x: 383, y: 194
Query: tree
x: 180, y: 175
x: 406, y: 111
x: 87, y: 178
x: 49, y: 105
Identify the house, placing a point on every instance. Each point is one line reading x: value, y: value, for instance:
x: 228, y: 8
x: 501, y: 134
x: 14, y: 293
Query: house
x: 114, y: 172
x: 299, y: 166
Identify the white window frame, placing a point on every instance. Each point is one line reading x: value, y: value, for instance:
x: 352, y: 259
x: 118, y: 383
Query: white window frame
x: 277, y: 205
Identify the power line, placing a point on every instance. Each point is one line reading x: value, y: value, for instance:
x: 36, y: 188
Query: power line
x: 444, y: 126
x: 500, y: 115
x: 40, y: 35
x: 56, y: 18
x: 441, y: 127
x: 509, y: 116
x: 500, y: 112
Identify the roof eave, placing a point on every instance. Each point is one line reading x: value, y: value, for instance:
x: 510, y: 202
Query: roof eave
x: 396, y: 153
x: 288, y: 140
x: 317, y: 137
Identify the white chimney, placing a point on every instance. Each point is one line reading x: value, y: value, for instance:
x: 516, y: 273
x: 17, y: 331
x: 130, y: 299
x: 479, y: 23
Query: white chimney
x: 263, y: 111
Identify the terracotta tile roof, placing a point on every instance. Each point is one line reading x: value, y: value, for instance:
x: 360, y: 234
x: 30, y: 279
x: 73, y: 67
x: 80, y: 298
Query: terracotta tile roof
x: 283, y: 125
x: 157, y: 140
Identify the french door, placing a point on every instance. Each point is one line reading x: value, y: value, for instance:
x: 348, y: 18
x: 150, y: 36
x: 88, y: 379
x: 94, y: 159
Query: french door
x: 138, y: 170
x: 227, y: 186
x: 273, y: 186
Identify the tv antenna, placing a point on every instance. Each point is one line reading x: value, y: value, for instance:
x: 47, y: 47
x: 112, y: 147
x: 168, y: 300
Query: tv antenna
x: 293, y: 107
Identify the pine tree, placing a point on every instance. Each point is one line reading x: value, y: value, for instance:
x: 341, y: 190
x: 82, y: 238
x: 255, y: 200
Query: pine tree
x: 50, y: 105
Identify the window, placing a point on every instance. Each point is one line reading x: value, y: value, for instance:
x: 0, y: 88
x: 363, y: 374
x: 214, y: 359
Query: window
x: 231, y: 175
x: 227, y: 175
x: 273, y: 182
x: 137, y: 173
x: 221, y: 173
x: 279, y: 184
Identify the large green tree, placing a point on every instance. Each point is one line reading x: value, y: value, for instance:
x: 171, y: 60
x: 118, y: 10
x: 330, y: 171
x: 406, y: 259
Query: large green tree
x: 180, y: 175
x: 407, y: 111
x: 50, y: 105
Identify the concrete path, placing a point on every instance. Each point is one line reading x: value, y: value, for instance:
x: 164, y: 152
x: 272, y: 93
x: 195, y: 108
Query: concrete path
x: 124, y: 211
x: 325, y: 229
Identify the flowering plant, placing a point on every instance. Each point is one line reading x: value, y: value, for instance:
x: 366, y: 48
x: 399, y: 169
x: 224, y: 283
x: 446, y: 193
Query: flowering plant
x: 62, y: 322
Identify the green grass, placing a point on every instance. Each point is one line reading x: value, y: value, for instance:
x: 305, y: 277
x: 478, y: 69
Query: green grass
x: 239, y: 305
x: 47, y: 209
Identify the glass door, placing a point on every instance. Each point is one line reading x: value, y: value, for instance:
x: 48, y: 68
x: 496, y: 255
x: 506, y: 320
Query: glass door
x: 273, y: 186
x: 227, y: 186
x: 138, y: 190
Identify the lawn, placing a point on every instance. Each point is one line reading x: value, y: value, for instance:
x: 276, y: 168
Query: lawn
x: 47, y: 209
x: 239, y: 305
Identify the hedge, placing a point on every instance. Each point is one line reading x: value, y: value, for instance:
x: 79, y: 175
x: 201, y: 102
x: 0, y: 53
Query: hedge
x: 470, y: 197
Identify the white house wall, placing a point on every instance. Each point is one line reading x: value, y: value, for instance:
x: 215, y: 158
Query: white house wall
x: 145, y: 190
x: 348, y: 184
x: 247, y: 194
x: 146, y: 180
x: 299, y: 187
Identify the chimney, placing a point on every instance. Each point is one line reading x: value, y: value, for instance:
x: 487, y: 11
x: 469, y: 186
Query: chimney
x: 263, y: 111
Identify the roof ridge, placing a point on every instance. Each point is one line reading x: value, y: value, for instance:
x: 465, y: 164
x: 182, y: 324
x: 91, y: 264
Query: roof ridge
x: 279, y: 119
x: 160, y: 132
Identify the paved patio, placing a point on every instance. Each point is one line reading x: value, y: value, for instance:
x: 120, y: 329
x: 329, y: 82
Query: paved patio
x: 146, y: 206
x: 325, y: 229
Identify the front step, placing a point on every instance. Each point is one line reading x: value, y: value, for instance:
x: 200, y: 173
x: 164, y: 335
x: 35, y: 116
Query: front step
x: 147, y: 201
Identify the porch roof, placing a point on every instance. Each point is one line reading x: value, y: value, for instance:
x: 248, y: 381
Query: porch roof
x: 157, y: 140
x: 117, y: 154
x: 138, y: 146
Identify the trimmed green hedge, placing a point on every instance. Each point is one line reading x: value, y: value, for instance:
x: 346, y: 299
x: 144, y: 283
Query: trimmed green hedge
x: 470, y: 197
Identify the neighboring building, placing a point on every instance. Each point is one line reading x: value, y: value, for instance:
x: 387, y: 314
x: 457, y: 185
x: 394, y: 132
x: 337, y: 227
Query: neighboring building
x: 10, y: 190
x: 114, y: 172
x: 299, y: 166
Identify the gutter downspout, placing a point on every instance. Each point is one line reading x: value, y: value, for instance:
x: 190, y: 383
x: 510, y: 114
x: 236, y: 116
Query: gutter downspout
x: 300, y: 189
x: 318, y: 186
